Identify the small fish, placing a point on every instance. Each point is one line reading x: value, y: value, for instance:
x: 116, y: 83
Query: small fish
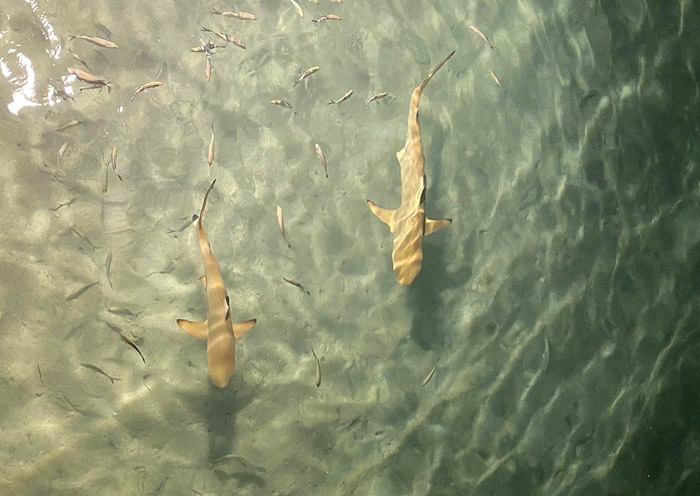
x: 545, y: 355
x: 167, y: 270
x: 84, y: 238
x: 378, y: 96
x: 226, y: 37
x: 77, y: 57
x: 318, y: 369
x: 342, y: 98
x: 131, y: 343
x: 245, y: 463
x: 306, y: 74
x: 430, y: 374
x: 105, y: 183
x: 281, y: 103
x: 79, y: 292
x: 108, y: 266
x: 210, y: 152
x: 297, y: 284
x: 68, y: 125
x: 327, y: 17
x: 497, y: 80
x: 113, y: 162
x: 94, y: 39
x: 123, y: 312
x: 284, y: 104
x: 297, y: 7
x: 280, y: 223
x: 185, y: 225
x: 93, y: 87
x: 206, y: 47
x: 207, y: 70
x: 62, y: 151
x: 149, y: 85
x: 86, y: 77
x: 67, y: 204
x: 481, y: 35
x: 244, y: 16
x: 41, y: 377
x: 322, y: 158
x: 100, y: 371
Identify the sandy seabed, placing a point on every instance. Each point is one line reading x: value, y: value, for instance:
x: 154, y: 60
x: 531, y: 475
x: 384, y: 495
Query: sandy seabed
x: 561, y: 306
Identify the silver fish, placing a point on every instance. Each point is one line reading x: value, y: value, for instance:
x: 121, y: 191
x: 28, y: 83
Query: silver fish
x: 280, y: 223
x: 430, y: 374
x: 95, y: 40
x: 378, y: 96
x: 131, y: 343
x: 342, y: 98
x: 210, y: 152
x: 481, y: 35
x: 297, y: 284
x: 108, y: 266
x: 308, y: 72
x: 322, y: 158
x: 318, y: 369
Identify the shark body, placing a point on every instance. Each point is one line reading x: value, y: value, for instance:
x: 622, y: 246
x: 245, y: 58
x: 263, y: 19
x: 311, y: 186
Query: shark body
x: 218, y: 330
x: 409, y: 223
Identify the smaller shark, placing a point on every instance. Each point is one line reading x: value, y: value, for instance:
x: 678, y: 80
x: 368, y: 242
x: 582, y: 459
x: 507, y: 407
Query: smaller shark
x: 218, y: 330
x: 409, y: 222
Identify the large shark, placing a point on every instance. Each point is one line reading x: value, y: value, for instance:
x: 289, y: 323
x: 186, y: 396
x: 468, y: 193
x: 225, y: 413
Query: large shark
x: 409, y: 222
x: 218, y: 330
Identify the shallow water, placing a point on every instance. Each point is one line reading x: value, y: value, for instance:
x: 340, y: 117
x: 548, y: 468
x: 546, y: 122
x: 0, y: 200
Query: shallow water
x: 562, y: 303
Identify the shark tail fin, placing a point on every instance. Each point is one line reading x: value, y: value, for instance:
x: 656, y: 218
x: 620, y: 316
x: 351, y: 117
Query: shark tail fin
x: 384, y: 214
x: 240, y: 328
x: 197, y: 329
x: 432, y: 225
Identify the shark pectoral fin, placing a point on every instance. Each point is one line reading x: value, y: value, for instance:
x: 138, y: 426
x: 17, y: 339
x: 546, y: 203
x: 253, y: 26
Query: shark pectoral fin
x: 203, y: 280
x: 240, y: 328
x: 197, y: 329
x: 435, y: 225
x: 384, y: 214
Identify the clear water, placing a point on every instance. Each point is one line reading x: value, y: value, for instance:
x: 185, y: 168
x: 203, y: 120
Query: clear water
x: 575, y: 194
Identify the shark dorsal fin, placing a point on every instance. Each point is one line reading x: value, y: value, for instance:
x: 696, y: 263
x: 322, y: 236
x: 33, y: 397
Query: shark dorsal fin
x: 435, y: 225
x: 240, y: 328
x: 197, y: 329
x: 383, y: 214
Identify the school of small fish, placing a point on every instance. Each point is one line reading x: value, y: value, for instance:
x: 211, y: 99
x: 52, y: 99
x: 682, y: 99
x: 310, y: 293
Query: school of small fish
x: 412, y: 177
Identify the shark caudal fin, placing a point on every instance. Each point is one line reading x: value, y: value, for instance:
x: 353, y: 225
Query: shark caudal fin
x: 383, y: 214
x: 240, y: 328
x: 197, y: 329
x: 435, y: 225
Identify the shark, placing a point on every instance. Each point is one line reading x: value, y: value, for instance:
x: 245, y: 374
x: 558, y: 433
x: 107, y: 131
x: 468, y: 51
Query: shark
x: 408, y: 222
x: 219, y: 331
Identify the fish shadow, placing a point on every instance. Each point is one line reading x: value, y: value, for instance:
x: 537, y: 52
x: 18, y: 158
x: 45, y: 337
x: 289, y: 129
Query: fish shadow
x: 219, y: 409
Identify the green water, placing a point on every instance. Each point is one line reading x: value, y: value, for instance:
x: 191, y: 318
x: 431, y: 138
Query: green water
x: 561, y: 306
